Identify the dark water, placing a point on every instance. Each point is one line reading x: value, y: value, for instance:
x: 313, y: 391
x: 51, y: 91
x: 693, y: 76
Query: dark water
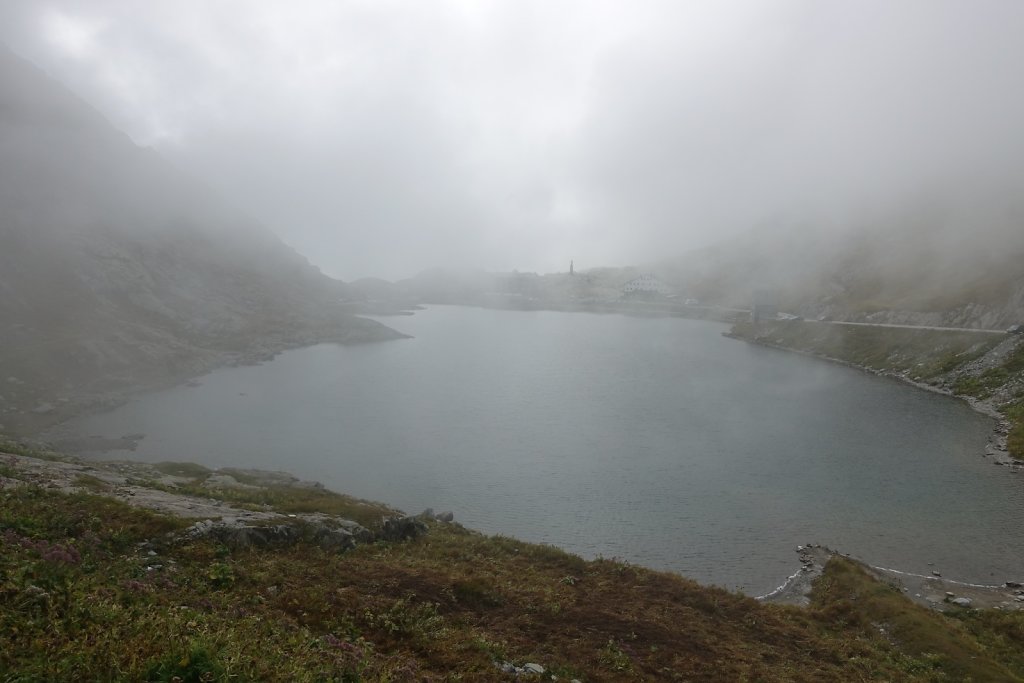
x: 657, y: 441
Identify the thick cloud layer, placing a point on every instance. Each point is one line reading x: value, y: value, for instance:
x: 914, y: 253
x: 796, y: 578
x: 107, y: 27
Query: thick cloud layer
x: 380, y: 138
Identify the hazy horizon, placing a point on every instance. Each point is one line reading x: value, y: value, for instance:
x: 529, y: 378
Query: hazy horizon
x: 381, y: 139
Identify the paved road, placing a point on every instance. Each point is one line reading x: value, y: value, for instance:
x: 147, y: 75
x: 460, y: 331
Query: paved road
x: 900, y: 327
x: 911, y: 327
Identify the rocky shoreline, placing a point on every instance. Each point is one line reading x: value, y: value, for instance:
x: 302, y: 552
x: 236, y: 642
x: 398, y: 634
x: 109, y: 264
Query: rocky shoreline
x: 996, y: 448
x: 216, y: 500
x: 932, y: 591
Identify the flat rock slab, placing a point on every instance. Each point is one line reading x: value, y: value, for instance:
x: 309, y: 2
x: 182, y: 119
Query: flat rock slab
x: 123, y: 480
x: 127, y: 481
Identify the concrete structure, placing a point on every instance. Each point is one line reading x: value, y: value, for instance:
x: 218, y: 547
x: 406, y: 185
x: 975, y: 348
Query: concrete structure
x: 645, y: 283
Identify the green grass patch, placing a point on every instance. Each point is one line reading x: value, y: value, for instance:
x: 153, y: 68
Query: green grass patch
x: 922, y: 354
x: 1015, y: 439
x: 1015, y: 360
x: 7, y: 468
x: 30, y: 451
x: 289, y: 499
x: 91, y: 483
x: 194, y: 666
x: 255, y: 477
x: 929, y: 644
x: 40, y: 514
x: 951, y: 361
x: 1000, y: 632
x: 984, y: 385
x: 189, y: 470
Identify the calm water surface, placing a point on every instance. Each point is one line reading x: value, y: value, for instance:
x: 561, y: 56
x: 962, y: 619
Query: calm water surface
x: 657, y: 441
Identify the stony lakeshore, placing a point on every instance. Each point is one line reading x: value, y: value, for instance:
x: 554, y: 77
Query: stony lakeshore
x: 986, y: 371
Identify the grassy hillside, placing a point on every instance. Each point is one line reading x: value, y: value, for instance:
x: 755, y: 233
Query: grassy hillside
x: 91, y: 588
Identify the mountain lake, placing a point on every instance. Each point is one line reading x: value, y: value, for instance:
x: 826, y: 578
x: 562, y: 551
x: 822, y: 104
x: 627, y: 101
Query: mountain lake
x: 652, y: 440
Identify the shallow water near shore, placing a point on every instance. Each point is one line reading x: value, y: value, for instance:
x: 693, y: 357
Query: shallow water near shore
x: 656, y: 441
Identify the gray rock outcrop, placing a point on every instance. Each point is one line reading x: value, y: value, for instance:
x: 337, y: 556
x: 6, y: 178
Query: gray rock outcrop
x: 402, y: 528
x: 343, y: 535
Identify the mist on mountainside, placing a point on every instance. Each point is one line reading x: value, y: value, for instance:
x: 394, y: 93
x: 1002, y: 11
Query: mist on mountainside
x: 934, y: 263
x: 575, y: 205
x: 117, y: 271
x: 382, y: 141
x: 845, y: 158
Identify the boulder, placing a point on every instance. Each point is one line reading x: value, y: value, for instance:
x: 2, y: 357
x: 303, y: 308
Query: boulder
x: 507, y: 667
x: 225, y: 481
x: 402, y: 528
x: 247, y: 536
x: 235, y: 534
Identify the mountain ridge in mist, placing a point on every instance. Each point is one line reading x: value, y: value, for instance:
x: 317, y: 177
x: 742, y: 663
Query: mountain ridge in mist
x: 930, y: 264
x: 117, y: 271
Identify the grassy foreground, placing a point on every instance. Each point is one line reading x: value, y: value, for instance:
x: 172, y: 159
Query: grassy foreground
x: 92, y: 589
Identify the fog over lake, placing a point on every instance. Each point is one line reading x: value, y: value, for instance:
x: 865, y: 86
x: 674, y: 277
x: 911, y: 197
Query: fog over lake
x: 656, y: 441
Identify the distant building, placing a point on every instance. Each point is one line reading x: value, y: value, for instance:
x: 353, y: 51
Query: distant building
x: 765, y: 305
x: 645, y: 283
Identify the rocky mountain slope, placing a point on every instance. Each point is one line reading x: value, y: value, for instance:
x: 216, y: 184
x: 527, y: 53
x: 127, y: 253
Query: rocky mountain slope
x: 929, y: 265
x: 119, y: 272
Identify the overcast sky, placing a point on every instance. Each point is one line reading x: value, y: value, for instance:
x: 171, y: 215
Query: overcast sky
x: 381, y: 137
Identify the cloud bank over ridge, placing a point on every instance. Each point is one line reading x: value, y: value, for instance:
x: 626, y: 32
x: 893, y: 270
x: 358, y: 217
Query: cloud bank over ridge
x: 380, y: 138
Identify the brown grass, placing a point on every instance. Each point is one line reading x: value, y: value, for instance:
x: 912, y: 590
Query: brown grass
x: 446, y: 606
